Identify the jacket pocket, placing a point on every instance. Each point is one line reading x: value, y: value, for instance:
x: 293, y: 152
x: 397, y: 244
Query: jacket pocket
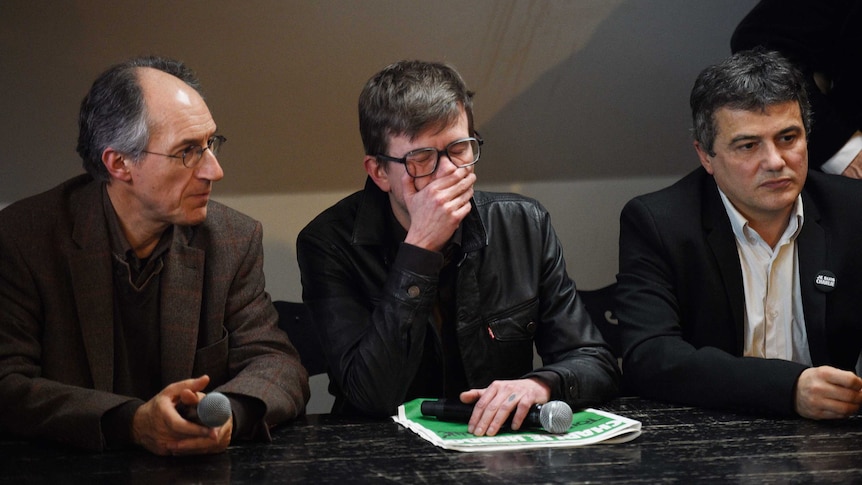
x: 501, y: 347
x: 213, y: 361
x: 516, y: 323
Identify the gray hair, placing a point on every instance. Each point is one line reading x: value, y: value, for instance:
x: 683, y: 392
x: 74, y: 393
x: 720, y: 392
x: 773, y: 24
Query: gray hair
x: 113, y: 113
x: 748, y: 80
x: 409, y: 97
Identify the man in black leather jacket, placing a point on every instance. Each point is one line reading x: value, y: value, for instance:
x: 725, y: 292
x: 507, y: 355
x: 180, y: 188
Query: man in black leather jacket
x: 422, y: 287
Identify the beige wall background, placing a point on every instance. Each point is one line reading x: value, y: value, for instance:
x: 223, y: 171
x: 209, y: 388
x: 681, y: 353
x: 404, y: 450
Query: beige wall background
x: 583, y: 103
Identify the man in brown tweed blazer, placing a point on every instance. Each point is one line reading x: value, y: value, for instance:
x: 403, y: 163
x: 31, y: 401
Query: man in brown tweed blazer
x: 125, y: 292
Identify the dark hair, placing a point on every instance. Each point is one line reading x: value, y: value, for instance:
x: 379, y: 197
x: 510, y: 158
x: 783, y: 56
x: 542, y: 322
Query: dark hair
x: 113, y: 113
x: 748, y: 80
x: 409, y: 97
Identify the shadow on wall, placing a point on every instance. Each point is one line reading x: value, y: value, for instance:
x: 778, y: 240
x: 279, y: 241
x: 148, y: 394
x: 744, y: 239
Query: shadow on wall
x: 619, y: 106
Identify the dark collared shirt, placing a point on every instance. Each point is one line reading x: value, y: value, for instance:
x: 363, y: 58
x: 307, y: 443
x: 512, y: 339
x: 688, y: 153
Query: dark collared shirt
x: 137, y: 348
x: 137, y: 284
x: 436, y: 378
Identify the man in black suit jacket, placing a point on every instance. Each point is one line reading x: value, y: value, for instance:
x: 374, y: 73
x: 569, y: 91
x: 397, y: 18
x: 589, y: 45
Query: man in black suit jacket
x: 739, y: 285
x: 824, y: 40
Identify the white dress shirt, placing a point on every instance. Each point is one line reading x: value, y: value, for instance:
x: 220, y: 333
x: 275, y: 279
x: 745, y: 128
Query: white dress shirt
x: 842, y: 158
x: 774, y: 320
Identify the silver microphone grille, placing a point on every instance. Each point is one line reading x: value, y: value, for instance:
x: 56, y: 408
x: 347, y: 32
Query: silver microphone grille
x: 214, y: 410
x: 556, y: 417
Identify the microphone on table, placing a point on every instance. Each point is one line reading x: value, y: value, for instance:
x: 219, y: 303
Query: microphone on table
x: 554, y: 416
x: 212, y: 411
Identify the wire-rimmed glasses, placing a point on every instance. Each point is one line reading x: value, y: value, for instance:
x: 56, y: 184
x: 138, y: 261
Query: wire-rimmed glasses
x: 193, y: 154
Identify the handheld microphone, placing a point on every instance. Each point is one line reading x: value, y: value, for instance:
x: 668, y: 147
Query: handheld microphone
x: 212, y: 411
x: 554, y: 416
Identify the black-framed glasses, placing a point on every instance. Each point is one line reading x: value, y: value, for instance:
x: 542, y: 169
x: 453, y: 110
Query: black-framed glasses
x: 422, y: 162
x: 193, y: 154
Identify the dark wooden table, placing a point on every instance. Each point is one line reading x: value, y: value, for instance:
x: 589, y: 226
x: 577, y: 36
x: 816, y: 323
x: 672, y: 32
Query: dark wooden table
x: 678, y: 445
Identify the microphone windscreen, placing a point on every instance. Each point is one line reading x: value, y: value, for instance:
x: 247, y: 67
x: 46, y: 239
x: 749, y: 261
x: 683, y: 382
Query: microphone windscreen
x: 214, y: 410
x: 556, y: 417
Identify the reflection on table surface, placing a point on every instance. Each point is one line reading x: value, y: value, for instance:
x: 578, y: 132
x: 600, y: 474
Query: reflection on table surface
x: 678, y: 444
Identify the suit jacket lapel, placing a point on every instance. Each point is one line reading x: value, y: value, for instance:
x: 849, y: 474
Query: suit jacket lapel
x: 722, y: 242
x: 811, y: 248
x: 92, y: 285
x: 181, y: 294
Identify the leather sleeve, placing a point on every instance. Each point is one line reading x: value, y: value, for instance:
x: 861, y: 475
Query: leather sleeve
x: 373, y: 342
x: 568, y: 342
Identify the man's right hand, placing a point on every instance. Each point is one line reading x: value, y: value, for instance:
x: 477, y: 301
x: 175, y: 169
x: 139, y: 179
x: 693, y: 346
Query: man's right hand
x: 828, y: 393
x: 438, y: 208
x: 158, y: 426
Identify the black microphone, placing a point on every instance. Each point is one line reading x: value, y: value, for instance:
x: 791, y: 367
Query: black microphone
x: 212, y: 411
x: 554, y: 416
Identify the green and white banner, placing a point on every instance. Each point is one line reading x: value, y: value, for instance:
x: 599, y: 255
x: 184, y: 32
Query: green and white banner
x: 590, y: 426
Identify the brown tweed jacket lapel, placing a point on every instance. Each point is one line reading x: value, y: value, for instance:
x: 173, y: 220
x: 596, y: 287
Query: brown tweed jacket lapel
x: 182, y: 287
x: 90, y: 268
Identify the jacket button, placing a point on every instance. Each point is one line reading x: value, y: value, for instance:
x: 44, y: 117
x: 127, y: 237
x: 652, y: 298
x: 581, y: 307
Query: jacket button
x: 531, y: 327
x: 413, y: 291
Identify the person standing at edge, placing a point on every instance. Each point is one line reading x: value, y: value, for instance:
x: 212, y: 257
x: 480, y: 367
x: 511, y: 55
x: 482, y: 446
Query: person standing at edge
x: 125, y: 292
x: 421, y: 286
x: 824, y: 41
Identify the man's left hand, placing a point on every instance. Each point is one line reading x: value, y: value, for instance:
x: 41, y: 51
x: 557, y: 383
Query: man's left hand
x: 495, y: 403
